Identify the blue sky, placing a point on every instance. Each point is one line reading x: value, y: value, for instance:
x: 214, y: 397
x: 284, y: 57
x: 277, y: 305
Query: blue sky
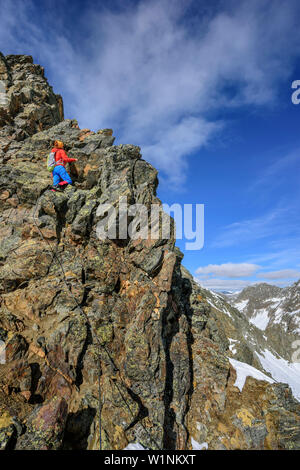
x: 204, y: 87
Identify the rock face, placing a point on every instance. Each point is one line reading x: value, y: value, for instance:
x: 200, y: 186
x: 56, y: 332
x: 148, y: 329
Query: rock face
x: 115, y: 324
x: 27, y: 102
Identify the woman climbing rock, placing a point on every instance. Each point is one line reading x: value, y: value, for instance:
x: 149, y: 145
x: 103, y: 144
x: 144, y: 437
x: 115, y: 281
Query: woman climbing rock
x: 61, y: 178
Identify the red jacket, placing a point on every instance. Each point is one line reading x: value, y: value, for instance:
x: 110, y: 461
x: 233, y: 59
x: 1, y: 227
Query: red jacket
x: 61, y: 157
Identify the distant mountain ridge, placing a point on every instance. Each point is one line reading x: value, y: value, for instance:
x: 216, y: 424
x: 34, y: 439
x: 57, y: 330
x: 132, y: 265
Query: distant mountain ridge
x: 261, y: 324
x: 275, y: 311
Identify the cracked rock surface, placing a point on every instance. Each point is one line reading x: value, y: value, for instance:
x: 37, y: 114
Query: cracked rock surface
x: 128, y: 314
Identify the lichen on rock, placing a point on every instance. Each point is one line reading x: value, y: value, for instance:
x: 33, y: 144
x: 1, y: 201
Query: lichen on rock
x: 74, y: 308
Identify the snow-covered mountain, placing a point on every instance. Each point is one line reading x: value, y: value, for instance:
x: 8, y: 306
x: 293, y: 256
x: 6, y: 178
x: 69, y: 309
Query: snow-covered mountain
x: 275, y: 311
x: 262, y: 326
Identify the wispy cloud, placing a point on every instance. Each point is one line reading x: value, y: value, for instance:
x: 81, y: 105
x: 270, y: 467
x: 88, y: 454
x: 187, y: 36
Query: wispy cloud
x: 279, y: 254
x: 278, y: 172
x: 234, y: 284
x: 280, y: 274
x: 153, y: 73
x: 212, y: 276
x: 279, y: 222
x: 229, y: 269
x: 224, y: 284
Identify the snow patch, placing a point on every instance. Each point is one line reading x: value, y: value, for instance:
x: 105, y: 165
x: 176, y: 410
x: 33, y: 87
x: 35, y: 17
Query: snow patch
x: 136, y: 446
x: 282, y: 370
x: 261, y: 319
x: 244, y: 370
x: 217, y: 296
x: 197, y: 446
x: 225, y: 310
x: 274, y: 300
x: 219, y: 307
x: 278, y: 315
x: 241, y: 305
x: 232, y: 345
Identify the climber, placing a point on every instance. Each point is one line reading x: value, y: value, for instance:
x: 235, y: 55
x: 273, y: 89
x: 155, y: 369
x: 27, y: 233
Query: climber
x: 60, y: 175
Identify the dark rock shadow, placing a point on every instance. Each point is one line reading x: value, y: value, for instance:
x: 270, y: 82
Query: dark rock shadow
x: 181, y: 290
x: 77, y: 429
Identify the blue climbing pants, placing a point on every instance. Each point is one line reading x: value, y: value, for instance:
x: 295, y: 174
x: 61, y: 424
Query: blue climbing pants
x: 60, y: 174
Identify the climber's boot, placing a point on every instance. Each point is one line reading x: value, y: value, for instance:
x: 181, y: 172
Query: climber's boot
x: 62, y: 185
x: 56, y: 187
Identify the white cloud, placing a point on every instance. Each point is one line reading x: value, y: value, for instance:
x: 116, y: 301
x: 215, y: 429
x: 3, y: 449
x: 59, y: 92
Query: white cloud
x: 224, y: 284
x: 183, y: 138
x: 229, y: 269
x: 280, y: 274
x: 278, y: 254
x: 153, y: 74
x: 234, y: 284
x: 209, y: 276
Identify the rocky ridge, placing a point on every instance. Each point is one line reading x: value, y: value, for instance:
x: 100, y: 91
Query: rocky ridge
x: 28, y: 103
x: 123, y: 313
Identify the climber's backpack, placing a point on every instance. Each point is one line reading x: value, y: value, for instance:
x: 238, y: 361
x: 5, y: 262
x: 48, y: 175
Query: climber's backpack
x: 51, y: 162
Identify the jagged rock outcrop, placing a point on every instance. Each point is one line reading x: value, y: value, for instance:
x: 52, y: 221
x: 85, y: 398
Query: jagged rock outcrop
x: 77, y: 312
x: 27, y: 102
